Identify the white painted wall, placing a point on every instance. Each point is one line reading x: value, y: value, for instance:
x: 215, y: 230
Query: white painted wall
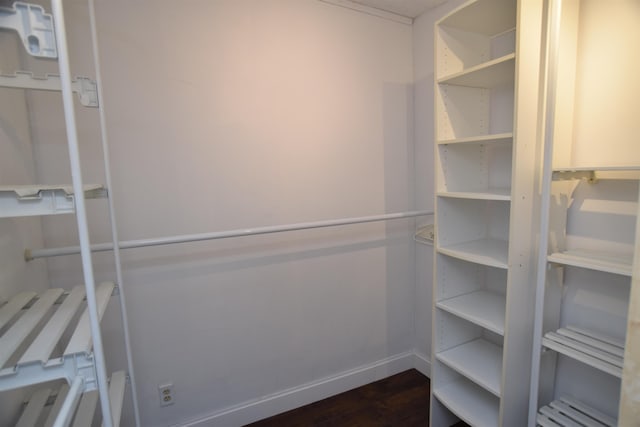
x: 234, y: 114
x: 423, y: 66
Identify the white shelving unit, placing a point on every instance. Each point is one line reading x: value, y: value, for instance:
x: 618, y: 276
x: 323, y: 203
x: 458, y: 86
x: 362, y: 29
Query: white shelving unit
x: 486, y: 88
x: 587, y: 227
x: 55, y: 336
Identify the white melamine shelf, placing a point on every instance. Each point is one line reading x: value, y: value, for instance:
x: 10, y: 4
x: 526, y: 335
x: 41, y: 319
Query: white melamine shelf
x: 47, y: 402
x: 470, y: 403
x: 491, y: 252
x: 480, y: 139
x: 595, y: 350
x: 494, y: 73
x: 483, y: 308
x: 32, y: 200
x: 489, y: 17
x: 500, y: 194
x: 478, y: 360
x: 593, y: 260
x: 570, y: 412
x: 34, y: 326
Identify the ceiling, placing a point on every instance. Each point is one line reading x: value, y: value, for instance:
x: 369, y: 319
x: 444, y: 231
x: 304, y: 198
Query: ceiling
x: 408, y: 8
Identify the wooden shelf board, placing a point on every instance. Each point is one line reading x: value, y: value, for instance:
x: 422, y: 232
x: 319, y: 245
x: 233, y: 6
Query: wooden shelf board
x: 593, y: 260
x: 478, y: 360
x: 483, y: 308
x: 491, y: 252
x: 469, y: 402
x: 480, y: 139
x: 488, y: 17
x: 499, y: 194
x: 494, y: 73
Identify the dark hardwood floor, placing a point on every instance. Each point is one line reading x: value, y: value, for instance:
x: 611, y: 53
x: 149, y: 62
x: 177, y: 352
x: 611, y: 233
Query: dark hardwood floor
x: 398, y: 401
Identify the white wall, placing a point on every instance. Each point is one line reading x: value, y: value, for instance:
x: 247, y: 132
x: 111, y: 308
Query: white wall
x: 423, y: 66
x: 232, y: 114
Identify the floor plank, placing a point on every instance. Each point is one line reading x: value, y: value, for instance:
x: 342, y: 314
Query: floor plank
x: 401, y: 400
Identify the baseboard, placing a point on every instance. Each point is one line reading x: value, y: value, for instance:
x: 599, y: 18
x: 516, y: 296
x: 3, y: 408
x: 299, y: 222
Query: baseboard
x: 422, y: 363
x: 286, y: 400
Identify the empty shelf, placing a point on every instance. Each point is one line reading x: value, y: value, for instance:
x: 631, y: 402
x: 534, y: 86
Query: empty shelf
x: 498, y: 72
x: 84, y: 87
x: 489, y: 252
x: 469, y: 402
x: 478, y: 360
x: 489, y: 17
x: 570, y: 412
x: 483, y: 308
x: 502, y: 194
x: 595, y: 350
x: 28, y: 343
x: 606, y: 262
x: 44, y: 406
x: 480, y: 139
x: 30, y: 200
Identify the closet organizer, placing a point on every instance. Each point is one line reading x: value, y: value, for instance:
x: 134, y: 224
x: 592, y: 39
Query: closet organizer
x: 589, y: 216
x: 54, y: 337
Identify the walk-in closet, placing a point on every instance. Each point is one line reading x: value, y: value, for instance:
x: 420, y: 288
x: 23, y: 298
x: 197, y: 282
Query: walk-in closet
x: 215, y: 212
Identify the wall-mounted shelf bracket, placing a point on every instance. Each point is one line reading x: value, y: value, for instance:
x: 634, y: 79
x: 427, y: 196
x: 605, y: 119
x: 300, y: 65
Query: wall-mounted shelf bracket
x: 28, y: 200
x: 592, y: 175
x: 34, y: 26
x: 85, y: 87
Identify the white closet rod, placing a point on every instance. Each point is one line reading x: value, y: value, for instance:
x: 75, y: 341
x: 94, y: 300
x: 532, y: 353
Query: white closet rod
x: 130, y: 244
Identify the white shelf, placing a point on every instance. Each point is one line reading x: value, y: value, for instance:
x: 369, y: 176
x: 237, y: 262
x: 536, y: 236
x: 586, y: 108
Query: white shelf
x: 592, y: 260
x: 32, y: 200
x: 489, y: 17
x: 478, y: 360
x: 595, y: 350
x: 83, y: 411
x: 469, y: 402
x: 28, y: 347
x: 500, y: 194
x: 85, y: 88
x: 569, y: 412
x: 494, y: 73
x: 481, y: 139
x: 483, y: 308
x: 491, y: 252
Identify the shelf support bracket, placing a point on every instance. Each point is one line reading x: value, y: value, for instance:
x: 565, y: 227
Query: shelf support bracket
x: 34, y: 26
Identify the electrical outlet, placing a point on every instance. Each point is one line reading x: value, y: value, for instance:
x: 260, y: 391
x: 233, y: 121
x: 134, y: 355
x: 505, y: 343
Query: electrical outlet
x: 165, y: 392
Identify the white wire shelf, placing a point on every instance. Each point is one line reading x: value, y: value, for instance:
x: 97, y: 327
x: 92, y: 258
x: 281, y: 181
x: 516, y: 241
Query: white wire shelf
x: 593, y: 260
x: 491, y: 252
x: 470, y: 403
x: 596, y: 350
x: 478, y: 360
x: 498, y: 138
x: 570, y: 412
x: 483, y: 308
x: 46, y: 405
x: 494, y: 73
x: 499, y: 194
x: 83, y: 86
x: 32, y: 329
x: 34, y: 200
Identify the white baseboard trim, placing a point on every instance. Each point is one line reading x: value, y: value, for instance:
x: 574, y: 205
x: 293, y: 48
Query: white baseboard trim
x: 422, y: 363
x: 295, y: 397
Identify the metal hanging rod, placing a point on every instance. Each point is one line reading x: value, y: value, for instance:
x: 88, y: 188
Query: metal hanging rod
x: 30, y: 255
